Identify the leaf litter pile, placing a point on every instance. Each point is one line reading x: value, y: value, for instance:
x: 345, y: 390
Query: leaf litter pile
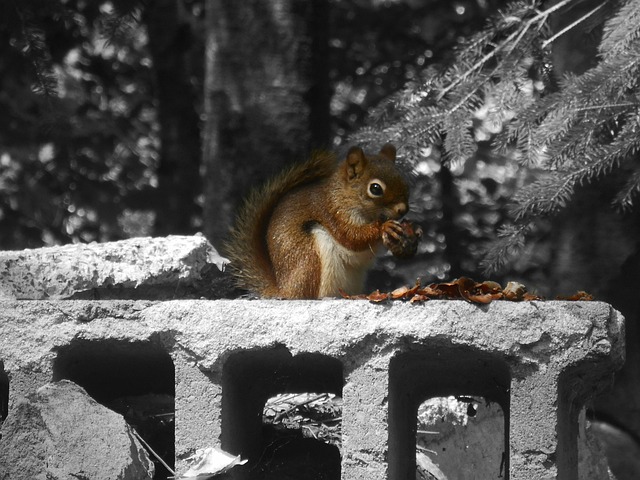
x: 462, y: 288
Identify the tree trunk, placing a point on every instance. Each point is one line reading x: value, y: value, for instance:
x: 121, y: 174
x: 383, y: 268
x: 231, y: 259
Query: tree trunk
x: 178, y: 172
x: 450, y: 205
x: 319, y: 97
x: 257, y: 83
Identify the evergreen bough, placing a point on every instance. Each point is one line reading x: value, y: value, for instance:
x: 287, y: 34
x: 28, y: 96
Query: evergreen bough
x: 501, y: 88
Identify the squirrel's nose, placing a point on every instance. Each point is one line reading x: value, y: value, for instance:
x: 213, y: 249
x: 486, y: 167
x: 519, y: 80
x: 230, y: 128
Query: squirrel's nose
x: 400, y: 209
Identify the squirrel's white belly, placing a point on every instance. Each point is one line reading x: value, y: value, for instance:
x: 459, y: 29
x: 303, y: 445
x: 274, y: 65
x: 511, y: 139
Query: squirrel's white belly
x: 342, y: 269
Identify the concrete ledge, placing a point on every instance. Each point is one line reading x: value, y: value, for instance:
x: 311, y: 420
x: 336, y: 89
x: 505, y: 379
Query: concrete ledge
x: 540, y: 360
x: 70, y: 270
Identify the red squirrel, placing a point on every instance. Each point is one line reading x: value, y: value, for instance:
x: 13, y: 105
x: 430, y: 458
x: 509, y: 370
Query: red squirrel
x: 313, y: 230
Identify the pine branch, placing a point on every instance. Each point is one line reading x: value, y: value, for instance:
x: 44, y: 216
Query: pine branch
x: 578, y: 130
x: 36, y: 50
x: 510, y: 242
x: 570, y: 121
x: 459, y: 143
x: 511, y: 42
x: 447, y: 100
x: 552, y: 193
x: 121, y: 21
x: 543, y: 197
x: 622, y: 30
x: 624, y: 199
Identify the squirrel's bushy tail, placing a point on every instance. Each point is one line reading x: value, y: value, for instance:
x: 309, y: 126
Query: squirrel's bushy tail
x: 247, y: 246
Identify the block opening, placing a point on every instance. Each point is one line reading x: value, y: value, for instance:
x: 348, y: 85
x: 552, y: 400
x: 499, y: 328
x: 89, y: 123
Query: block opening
x: 460, y: 437
x: 249, y: 380
x: 4, y: 393
x: 441, y: 372
x: 577, y: 385
x: 135, y: 379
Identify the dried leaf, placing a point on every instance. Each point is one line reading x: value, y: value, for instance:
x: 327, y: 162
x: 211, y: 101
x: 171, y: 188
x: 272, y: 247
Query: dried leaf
x: 577, y: 297
x: 418, y: 298
x: 514, y: 291
x: 406, y: 292
x: 449, y: 289
x: 465, y: 285
x: 430, y: 292
x: 485, y: 298
x: 400, y: 292
x: 360, y: 296
x: 489, y: 286
x: 483, y: 293
x: 529, y: 297
x: 463, y: 288
x: 377, y: 296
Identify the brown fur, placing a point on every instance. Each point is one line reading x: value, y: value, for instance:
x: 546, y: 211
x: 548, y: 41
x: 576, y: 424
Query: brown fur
x: 313, y: 229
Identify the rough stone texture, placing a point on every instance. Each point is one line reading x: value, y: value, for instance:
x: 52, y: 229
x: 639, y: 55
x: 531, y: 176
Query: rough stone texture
x: 365, y: 404
x: 62, y: 272
x: 59, y: 432
x: 540, y: 360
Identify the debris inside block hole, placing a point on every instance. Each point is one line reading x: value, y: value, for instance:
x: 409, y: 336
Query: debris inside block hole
x: 152, y: 417
x: 302, y: 437
x: 460, y: 437
x: 210, y: 462
x: 317, y: 416
x: 135, y: 380
x: 468, y: 428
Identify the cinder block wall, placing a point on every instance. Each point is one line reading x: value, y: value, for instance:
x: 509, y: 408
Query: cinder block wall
x: 541, y: 361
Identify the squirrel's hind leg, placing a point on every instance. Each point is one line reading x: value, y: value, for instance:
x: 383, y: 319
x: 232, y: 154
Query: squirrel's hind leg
x: 303, y: 281
x: 301, y: 278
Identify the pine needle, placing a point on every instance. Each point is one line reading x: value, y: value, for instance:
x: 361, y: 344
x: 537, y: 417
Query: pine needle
x: 571, y: 26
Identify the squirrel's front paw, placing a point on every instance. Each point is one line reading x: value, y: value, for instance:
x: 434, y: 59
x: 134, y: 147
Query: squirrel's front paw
x: 401, y: 238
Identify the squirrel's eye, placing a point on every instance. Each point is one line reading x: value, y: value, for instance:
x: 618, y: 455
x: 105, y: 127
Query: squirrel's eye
x: 376, y: 188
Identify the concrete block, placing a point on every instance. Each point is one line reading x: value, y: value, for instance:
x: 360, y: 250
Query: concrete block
x: 59, y: 432
x: 365, y: 437
x: 198, y: 406
x: 70, y: 270
x: 541, y: 361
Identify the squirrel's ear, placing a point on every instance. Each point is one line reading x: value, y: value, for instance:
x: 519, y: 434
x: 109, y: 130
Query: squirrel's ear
x: 356, y: 162
x: 388, y: 151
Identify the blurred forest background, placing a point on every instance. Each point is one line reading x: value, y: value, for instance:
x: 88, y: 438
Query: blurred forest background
x: 518, y: 120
